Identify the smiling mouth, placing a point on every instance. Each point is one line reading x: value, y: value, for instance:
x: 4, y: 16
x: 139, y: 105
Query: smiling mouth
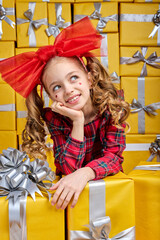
x: 73, y: 99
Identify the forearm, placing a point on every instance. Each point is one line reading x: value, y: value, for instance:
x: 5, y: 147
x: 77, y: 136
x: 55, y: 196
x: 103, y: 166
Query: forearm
x: 78, y: 130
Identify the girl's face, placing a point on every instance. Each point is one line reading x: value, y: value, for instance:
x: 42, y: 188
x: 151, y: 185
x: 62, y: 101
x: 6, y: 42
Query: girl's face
x: 67, y: 82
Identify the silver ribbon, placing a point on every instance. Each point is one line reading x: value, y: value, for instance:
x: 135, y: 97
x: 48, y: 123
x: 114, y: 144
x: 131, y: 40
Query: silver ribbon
x: 137, y: 147
x: 100, y: 224
x: 155, y: 150
x: 152, y: 60
x: 104, y: 50
x: 4, y: 12
x: 115, y: 78
x: 33, y: 24
x: 46, y: 98
x: 19, y: 177
x: 7, y: 107
x: 21, y: 114
x: 97, y: 15
x: 154, y: 167
x: 60, y: 22
x: 156, y: 20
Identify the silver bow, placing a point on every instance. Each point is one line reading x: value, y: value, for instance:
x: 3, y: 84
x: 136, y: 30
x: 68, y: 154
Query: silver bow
x: 152, y: 60
x: 156, y: 20
x: 155, y: 149
x: 19, y: 177
x: 115, y: 78
x: 3, y: 17
x: 100, y: 229
x: 60, y: 22
x: 136, y: 106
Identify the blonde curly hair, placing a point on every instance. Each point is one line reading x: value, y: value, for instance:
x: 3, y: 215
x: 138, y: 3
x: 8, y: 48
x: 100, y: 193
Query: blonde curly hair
x: 103, y: 94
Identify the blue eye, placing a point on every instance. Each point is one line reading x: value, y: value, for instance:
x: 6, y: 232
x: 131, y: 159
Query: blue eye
x: 74, y: 78
x: 56, y: 88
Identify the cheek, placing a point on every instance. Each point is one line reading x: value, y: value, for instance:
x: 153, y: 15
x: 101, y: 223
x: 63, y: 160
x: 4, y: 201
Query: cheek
x: 80, y: 83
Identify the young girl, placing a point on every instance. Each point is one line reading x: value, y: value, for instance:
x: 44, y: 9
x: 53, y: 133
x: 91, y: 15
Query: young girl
x: 86, y: 119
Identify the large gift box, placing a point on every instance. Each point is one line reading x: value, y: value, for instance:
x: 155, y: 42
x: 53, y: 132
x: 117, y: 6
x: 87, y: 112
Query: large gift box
x: 139, y: 61
x: 104, y: 16
x: 143, y: 95
x: 7, y: 20
x: 112, y: 197
x: 147, y: 204
x: 59, y: 17
x: 6, y: 51
x: 8, y: 139
x: 31, y: 24
x: 137, y: 27
x: 138, y: 148
x: 7, y: 108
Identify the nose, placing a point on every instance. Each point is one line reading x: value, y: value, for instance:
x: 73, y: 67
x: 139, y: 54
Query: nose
x: 68, y: 89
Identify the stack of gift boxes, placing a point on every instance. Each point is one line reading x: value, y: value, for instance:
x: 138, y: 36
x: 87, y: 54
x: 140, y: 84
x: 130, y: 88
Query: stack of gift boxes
x: 130, y: 50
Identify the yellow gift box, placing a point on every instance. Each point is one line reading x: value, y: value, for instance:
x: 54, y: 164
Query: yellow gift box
x: 146, y: 92
x: 55, y: 11
x: 133, y: 54
x: 149, y: 1
x: 6, y: 51
x: 48, y: 1
x: 8, y: 139
x: 147, y: 205
x: 136, y: 24
x: 7, y: 108
x: 31, y: 24
x: 7, y: 20
x: 113, y: 196
x: 106, y: 13
x: 137, y: 149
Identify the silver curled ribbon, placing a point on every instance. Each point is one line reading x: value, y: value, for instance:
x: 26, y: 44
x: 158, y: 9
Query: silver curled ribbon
x: 156, y: 20
x: 97, y: 15
x: 54, y: 30
x: 19, y: 178
x: 4, y: 12
x: 152, y: 60
x: 33, y: 24
x: 155, y: 150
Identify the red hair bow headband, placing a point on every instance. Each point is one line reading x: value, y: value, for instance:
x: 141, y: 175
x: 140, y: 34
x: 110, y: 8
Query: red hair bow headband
x: 23, y: 72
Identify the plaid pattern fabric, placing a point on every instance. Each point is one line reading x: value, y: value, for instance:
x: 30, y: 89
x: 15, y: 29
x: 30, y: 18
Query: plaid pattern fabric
x: 101, y: 149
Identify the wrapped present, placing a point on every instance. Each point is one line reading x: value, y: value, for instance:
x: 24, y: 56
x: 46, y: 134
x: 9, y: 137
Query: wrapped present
x: 104, y: 16
x: 48, y: 1
x: 7, y: 20
x: 148, y: 1
x: 138, y: 148
x: 31, y: 24
x: 139, y: 24
x: 143, y: 95
x: 146, y: 177
x: 114, y: 198
x: 6, y: 51
x: 139, y: 61
x: 20, y: 177
x: 7, y: 108
x: 8, y: 139
x: 59, y: 17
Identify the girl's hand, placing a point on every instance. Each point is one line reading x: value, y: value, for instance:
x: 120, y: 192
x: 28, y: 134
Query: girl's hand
x: 70, y: 187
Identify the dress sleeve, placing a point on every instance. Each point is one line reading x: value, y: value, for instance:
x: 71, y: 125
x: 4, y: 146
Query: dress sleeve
x: 113, y: 141
x: 69, y: 153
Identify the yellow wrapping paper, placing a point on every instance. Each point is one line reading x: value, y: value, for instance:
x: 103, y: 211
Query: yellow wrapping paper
x: 101, y: 1
x: 147, y: 205
x: 9, y: 32
x: 136, y: 28
x: 119, y: 206
x: 65, y: 14
x: 137, y: 149
x: 55, y: 1
x: 8, y: 139
x: 149, y: 1
x: 6, y: 51
x: 43, y: 220
x: 136, y: 68
x: 7, y: 102
x: 107, y: 9
x: 150, y: 95
x: 22, y: 29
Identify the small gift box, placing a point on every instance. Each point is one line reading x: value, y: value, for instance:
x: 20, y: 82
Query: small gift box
x: 7, y: 108
x: 146, y: 177
x: 143, y: 95
x: 7, y: 20
x: 114, y: 197
x: 8, y: 139
x: 139, y: 24
x: 59, y: 17
x: 138, y: 148
x: 6, y: 51
x: 139, y: 61
x: 31, y: 24
x: 24, y: 214
x: 104, y: 16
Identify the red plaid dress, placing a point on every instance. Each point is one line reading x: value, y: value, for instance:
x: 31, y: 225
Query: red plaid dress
x: 101, y: 149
